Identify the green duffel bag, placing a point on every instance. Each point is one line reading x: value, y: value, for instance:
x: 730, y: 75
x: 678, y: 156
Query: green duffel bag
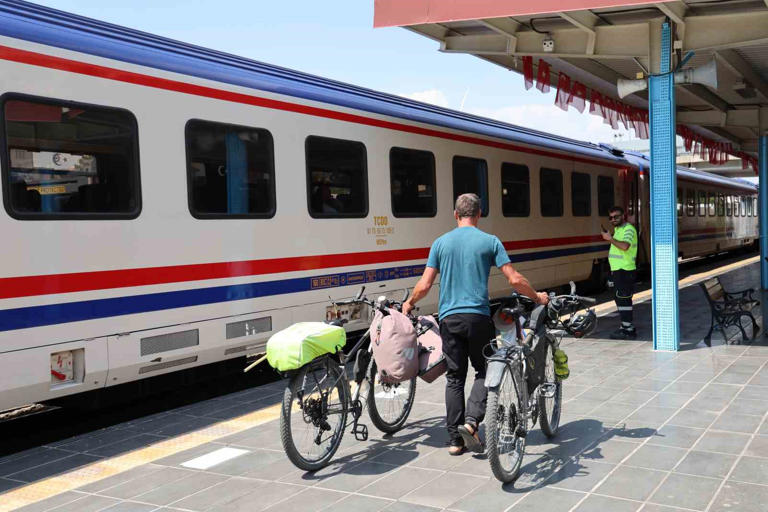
x: 295, y: 346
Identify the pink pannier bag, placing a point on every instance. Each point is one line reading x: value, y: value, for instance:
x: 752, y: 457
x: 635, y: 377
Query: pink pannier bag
x: 395, y: 350
x: 432, y: 363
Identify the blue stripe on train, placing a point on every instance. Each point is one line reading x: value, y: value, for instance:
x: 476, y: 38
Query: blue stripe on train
x: 51, y: 314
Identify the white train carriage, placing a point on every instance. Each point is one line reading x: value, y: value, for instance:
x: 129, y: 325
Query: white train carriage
x: 168, y: 206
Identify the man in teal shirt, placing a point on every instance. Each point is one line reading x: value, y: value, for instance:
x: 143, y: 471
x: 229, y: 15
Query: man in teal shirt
x: 464, y: 257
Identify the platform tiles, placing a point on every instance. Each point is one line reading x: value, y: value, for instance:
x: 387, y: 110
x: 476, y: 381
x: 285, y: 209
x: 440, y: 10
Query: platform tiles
x: 641, y: 430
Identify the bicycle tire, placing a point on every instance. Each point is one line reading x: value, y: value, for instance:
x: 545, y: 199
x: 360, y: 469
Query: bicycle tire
x: 497, y: 416
x: 550, y: 408
x: 287, y: 410
x: 385, y: 425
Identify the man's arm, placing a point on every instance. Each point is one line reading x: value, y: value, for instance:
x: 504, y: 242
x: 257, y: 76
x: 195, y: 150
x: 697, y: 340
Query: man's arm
x: 421, y: 289
x: 521, y: 284
x: 624, y: 246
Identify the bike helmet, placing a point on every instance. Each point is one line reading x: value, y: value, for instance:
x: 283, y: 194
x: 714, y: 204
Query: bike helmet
x: 581, y: 324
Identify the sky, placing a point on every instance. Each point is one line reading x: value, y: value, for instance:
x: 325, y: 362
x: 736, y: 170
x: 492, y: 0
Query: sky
x: 336, y: 39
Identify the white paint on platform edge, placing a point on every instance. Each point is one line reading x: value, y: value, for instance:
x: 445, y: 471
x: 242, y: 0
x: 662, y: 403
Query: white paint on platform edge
x: 215, y: 457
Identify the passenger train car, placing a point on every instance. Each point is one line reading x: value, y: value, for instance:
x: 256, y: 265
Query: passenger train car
x: 168, y: 206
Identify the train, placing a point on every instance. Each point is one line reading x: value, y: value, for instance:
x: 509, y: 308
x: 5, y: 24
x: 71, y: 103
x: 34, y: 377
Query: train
x: 168, y: 206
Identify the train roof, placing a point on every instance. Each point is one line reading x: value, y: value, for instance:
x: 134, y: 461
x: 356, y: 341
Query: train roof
x: 52, y: 27
x: 642, y: 161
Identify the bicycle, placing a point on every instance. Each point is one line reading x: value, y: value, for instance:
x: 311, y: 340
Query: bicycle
x: 317, y: 400
x: 520, y: 387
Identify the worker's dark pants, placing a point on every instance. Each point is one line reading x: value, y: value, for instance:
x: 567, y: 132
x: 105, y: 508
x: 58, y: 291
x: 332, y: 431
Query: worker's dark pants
x: 464, y: 336
x: 624, y: 284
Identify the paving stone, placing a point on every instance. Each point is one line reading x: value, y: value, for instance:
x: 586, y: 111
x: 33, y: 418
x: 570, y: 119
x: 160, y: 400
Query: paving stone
x: 400, y: 482
x: 653, y: 416
x: 656, y: 457
x: 631, y: 483
x: 261, y: 498
x: 131, y: 488
x: 31, y: 460
x: 309, y: 500
x: 179, y: 489
x: 723, y: 442
x: 52, y: 502
x: 409, y: 507
x: 126, y: 506
x: 490, y: 497
x: 737, y: 423
x: 87, y: 503
x: 54, y: 468
x: 678, y: 436
x: 612, y: 411
x: 651, y: 384
x: 581, y: 475
x: 758, y: 447
x: 138, y: 472
x: 752, y: 470
x: 674, y: 400
x: 444, y: 490
x: 612, y: 450
x: 220, y: 494
x: 547, y: 498
x: 690, y: 417
x: 680, y: 386
x: 356, y: 477
x: 742, y: 406
x: 357, y: 503
x: 686, y: 491
x: 740, y: 497
x: 706, y: 464
x: 595, y: 503
x: 633, y: 396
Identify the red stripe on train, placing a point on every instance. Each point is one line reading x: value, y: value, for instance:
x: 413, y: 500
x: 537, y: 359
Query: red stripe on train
x: 83, y: 68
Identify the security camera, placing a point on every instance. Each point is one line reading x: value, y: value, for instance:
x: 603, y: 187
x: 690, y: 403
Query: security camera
x: 548, y: 44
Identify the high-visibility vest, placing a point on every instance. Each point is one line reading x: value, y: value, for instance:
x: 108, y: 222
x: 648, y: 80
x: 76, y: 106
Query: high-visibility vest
x: 624, y: 260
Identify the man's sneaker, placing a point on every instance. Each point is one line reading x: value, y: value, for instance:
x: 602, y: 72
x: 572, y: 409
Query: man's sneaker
x: 471, y: 439
x: 624, y: 334
x: 456, y: 449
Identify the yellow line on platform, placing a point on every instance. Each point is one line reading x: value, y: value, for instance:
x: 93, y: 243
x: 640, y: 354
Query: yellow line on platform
x: 609, y: 307
x: 49, y: 487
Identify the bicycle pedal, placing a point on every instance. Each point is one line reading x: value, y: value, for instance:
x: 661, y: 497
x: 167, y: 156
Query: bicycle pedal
x: 360, y: 432
x: 548, y: 390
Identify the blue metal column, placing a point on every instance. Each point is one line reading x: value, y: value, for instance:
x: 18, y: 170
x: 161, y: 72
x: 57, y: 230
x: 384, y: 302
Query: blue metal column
x: 666, y: 326
x: 762, y: 161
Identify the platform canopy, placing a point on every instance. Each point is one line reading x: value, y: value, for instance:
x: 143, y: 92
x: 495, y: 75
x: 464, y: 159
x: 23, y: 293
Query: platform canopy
x: 597, y: 42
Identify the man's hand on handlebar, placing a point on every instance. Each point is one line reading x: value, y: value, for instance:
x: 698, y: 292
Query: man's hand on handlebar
x: 542, y: 298
x: 407, y: 307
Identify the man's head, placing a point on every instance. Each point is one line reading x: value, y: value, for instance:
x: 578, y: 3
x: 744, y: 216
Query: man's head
x: 467, y: 208
x: 616, y: 215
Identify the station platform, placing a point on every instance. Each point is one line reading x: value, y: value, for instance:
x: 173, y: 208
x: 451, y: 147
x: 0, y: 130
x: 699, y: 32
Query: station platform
x: 640, y: 430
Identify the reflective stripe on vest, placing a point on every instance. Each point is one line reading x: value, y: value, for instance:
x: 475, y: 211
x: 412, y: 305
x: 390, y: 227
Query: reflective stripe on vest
x: 623, y: 260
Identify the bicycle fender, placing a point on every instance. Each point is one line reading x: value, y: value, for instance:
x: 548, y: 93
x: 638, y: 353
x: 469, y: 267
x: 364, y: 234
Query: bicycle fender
x: 493, y: 372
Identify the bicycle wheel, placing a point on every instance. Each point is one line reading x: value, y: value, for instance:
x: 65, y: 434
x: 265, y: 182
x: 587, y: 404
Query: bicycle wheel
x: 314, y: 414
x: 389, y: 404
x: 505, y: 421
x: 550, y: 407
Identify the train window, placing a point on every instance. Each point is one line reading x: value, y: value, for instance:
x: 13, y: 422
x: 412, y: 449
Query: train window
x: 720, y: 205
x: 736, y: 210
x: 337, y: 178
x: 604, y: 195
x: 680, y: 195
x: 690, y: 202
x: 728, y: 206
x: 711, y: 204
x: 65, y: 160
x: 702, y: 203
x: 551, y: 192
x: 471, y: 175
x: 581, y: 195
x: 230, y: 171
x: 744, y: 207
x: 754, y: 207
x: 515, y: 190
x: 412, y: 180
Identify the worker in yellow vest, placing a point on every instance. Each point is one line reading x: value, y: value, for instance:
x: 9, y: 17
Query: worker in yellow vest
x: 621, y: 258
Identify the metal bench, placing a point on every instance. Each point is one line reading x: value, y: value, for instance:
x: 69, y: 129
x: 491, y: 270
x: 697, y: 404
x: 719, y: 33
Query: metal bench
x: 728, y: 309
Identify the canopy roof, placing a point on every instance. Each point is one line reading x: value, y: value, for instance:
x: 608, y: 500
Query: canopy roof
x: 599, y: 41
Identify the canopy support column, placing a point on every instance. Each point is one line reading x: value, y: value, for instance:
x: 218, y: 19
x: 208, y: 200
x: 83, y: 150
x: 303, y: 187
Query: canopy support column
x: 666, y: 325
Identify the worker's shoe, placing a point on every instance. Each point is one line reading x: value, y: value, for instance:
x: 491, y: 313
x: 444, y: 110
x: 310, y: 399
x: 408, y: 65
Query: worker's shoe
x: 624, y: 334
x: 456, y: 448
x: 561, y: 365
x: 471, y: 439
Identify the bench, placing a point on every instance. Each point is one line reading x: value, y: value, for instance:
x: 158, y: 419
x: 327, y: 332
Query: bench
x: 728, y: 309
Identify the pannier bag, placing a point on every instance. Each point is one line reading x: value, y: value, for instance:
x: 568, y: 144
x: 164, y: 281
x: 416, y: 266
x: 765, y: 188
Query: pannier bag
x: 393, y: 339
x: 432, y: 363
x: 295, y: 346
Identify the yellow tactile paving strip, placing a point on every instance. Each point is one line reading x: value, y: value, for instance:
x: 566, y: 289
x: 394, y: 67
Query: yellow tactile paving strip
x: 49, y: 487
x: 99, y: 470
